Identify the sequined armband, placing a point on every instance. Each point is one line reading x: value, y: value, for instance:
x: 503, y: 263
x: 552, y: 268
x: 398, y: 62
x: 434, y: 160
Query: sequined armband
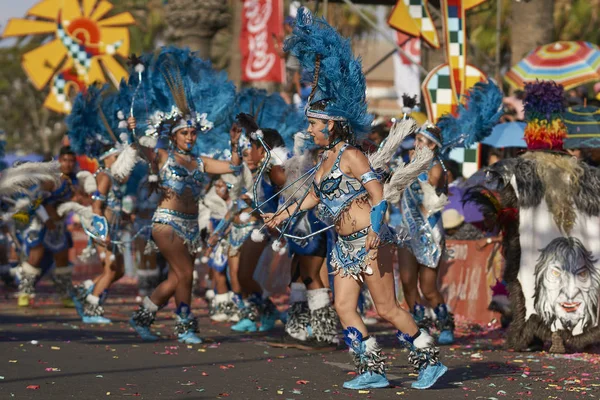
x: 97, y: 196
x: 368, y: 177
x: 236, y: 169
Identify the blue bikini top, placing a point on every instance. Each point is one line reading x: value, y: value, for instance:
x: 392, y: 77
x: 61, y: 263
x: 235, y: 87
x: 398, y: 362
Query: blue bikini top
x: 176, y: 178
x: 337, y: 191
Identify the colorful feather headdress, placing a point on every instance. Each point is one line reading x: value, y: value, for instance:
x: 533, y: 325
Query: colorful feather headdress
x: 544, y: 107
x: 96, y: 125
x: 475, y: 121
x: 339, y: 86
x: 173, y: 89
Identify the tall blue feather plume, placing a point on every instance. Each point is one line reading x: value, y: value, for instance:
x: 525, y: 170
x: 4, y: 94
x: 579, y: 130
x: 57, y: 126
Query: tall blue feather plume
x: 203, y: 89
x: 340, y: 77
x: 88, y: 134
x: 475, y: 119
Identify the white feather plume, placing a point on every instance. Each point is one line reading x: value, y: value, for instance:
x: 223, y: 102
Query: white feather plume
x: 148, y: 141
x: 87, y: 181
x: 432, y: 203
x: 124, y: 163
x: 276, y: 246
x: 283, y: 250
x: 22, y: 204
x: 203, y: 215
x: 20, y: 179
x: 85, y: 213
x: 295, y: 167
x: 405, y: 174
x: 245, y: 217
x: 257, y: 236
x: 400, y: 130
x: 279, y: 155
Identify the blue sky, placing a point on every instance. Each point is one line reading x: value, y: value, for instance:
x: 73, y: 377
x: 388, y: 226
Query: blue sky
x: 11, y: 9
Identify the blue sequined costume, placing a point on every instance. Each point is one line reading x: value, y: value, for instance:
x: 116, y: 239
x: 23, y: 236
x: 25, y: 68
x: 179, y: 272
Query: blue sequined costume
x: 427, y: 235
x: 337, y: 191
x: 178, y: 180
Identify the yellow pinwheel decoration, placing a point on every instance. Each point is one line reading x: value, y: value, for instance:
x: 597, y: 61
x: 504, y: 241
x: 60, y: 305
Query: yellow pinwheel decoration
x: 83, y: 51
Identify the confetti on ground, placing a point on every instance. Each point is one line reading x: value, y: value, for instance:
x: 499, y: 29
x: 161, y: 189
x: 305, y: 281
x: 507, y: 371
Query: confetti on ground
x: 33, y: 387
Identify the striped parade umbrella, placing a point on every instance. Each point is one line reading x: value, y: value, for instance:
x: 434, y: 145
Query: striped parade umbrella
x: 583, y: 126
x: 570, y: 64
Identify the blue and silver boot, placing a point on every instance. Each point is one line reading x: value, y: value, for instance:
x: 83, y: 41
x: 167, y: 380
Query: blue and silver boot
x: 424, y: 356
x: 248, y: 314
x: 80, y: 292
x: 269, y: 315
x: 93, y: 312
x: 323, y: 318
x: 445, y: 324
x: 367, y: 357
x: 186, y: 327
x: 142, y: 319
x: 420, y: 316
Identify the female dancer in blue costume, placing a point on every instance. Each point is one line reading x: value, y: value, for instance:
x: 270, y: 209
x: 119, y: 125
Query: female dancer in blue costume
x: 420, y: 261
x: 92, y: 126
x: 246, y: 243
x: 421, y: 206
x: 187, y: 86
x: 348, y: 193
x: 48, y: 232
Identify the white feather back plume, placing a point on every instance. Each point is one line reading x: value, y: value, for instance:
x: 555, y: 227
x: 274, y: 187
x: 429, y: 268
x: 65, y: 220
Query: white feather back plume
x: 294, y: 168
x: 87, y: 181
x: 432, y: 203
x: 124, y: 163
x: 405, y: 174
x: 85, y: 213
x: 400, y: 130
x: 20, y: 179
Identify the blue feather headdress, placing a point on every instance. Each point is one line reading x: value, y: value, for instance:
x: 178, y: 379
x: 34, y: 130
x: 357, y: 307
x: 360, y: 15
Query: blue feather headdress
x: 475, y: 119
x: 96, y: 127
x: 339, y: 87
x: 173, y: 89
x: 269, y: 111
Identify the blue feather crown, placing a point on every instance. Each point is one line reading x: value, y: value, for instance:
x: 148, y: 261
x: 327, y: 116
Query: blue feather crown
x: 339, y: 86
x: 172, y: 89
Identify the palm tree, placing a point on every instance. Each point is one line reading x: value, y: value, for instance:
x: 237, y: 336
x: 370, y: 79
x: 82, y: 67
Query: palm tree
x: 531, y: 25
x: 150, y: 22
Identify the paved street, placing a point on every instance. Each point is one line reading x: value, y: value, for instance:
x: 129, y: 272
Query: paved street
x: 47, y: 353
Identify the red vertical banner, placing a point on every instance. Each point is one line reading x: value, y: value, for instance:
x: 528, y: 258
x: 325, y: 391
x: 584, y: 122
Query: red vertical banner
x: 262, y: 24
